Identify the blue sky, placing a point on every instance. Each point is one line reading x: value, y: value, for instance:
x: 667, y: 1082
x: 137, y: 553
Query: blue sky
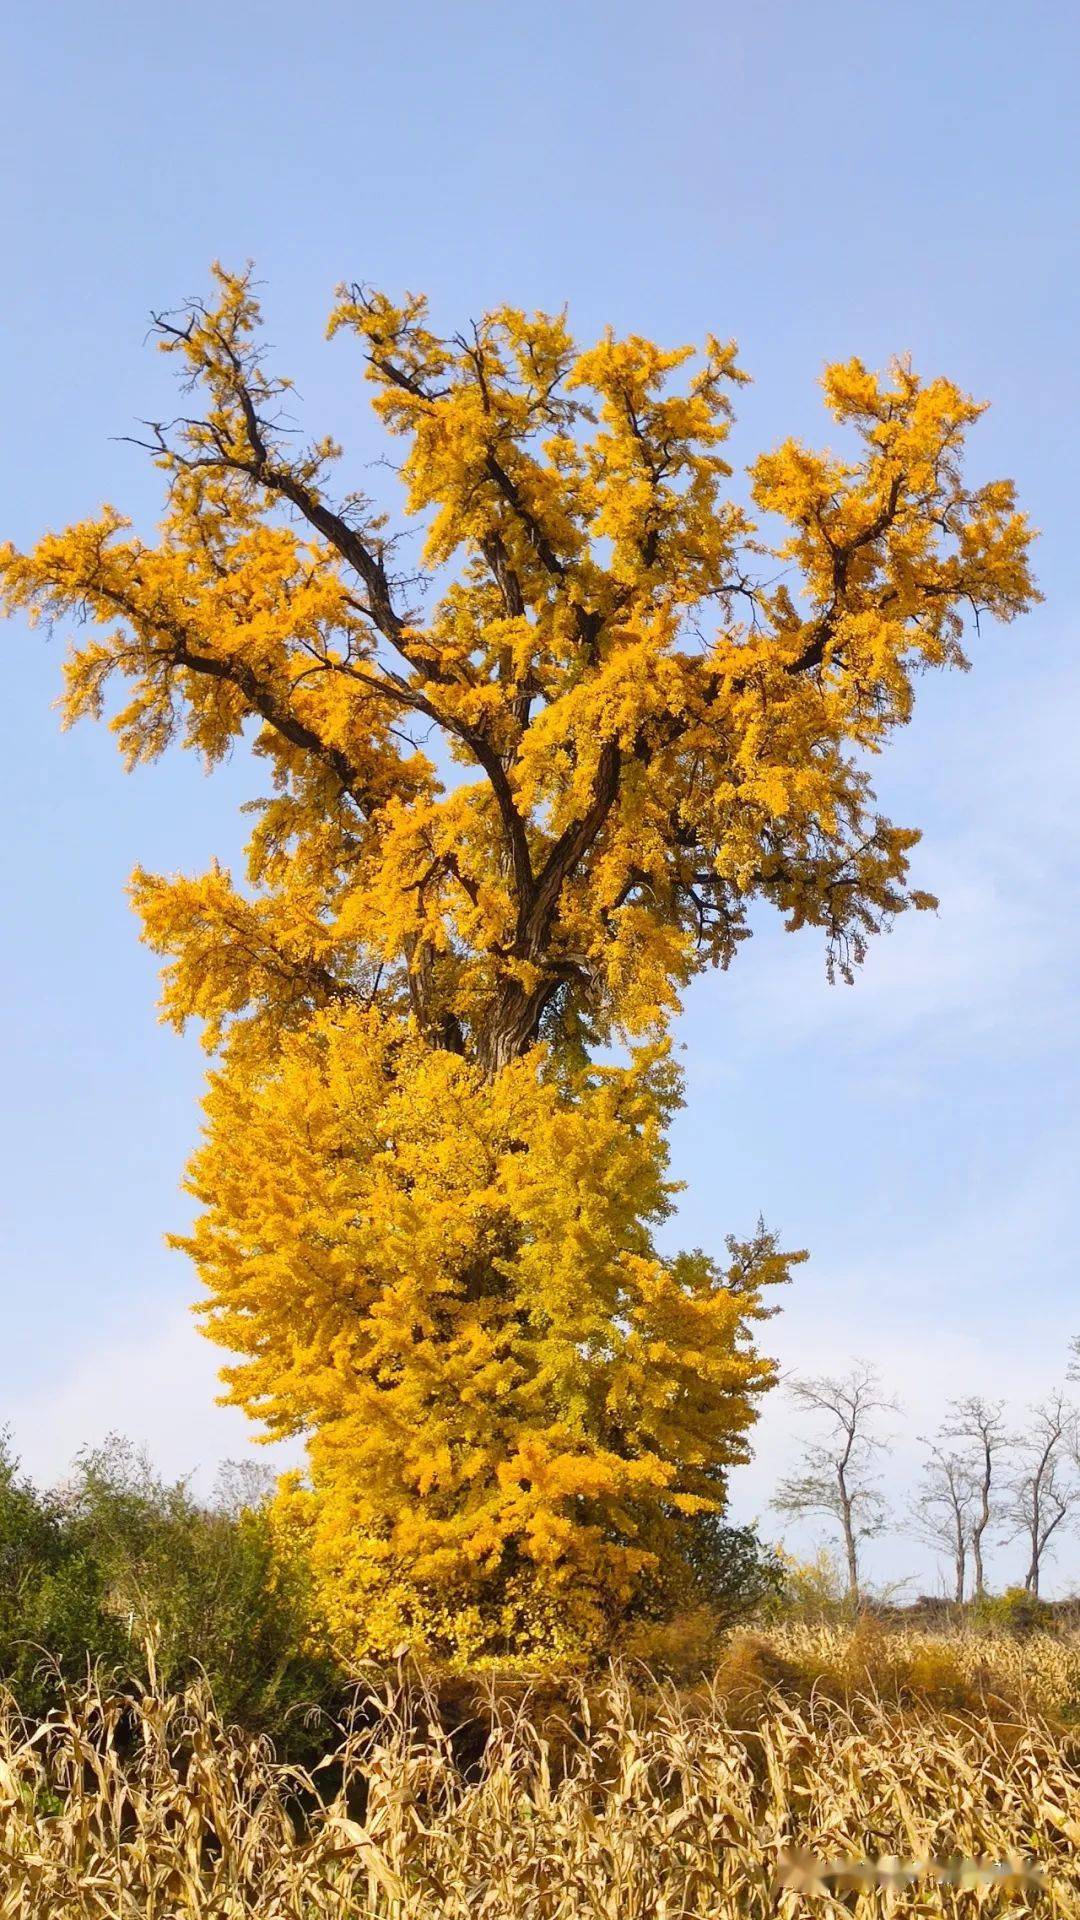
x: 816, y: 180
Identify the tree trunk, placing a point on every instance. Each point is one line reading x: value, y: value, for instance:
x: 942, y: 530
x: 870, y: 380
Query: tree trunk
x: 850, y: 1546
x: 513, y: 1025
x: 983, y: 1521
x: 961, y: 1569
x: 852, y: 1564
x: 976, y: 1548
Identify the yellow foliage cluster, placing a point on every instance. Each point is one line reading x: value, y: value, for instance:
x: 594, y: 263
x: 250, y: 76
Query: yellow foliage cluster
x: 451, y: 1284
x: 513, y: 805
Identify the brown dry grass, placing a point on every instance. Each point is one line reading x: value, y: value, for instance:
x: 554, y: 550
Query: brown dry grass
x: 637, y: 1803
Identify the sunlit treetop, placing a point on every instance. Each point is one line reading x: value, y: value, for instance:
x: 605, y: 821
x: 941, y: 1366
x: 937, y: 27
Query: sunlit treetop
x: 659, y: 712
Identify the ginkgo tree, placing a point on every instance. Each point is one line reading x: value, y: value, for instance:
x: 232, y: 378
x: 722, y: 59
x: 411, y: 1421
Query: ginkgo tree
x: 517, y: 794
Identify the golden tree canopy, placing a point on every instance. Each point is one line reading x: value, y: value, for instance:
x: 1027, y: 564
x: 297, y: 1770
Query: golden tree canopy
x: 656, y: 714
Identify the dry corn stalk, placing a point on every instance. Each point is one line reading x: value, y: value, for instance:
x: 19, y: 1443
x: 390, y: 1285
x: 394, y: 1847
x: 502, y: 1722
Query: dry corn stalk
x: 132, y: 1806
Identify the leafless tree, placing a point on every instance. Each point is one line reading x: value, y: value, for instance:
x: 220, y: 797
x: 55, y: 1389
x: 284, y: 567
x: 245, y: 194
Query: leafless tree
x: 1043, y: 1493
x: 837, y: 1476
x: 979, y: 1426
x: 242, y: 1486
x: 945, y: 1508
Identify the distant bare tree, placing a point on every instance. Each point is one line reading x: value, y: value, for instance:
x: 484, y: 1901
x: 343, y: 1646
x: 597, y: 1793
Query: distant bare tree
x: 979, y: 1426
x: 1043, y: 1492
x: 836, y: 1477
x: 242, y: 1486
x: 1072, y: 1437
x: 945, y: 1508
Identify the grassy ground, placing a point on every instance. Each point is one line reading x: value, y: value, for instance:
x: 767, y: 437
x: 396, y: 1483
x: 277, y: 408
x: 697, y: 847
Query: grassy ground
x: 810, y: 1748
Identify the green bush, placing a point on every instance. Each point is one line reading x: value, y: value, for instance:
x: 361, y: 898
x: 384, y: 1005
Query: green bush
x: 679, y: 1630
x: 123, y: 1569
x: 53, y: 1610
x: 735, y: 1573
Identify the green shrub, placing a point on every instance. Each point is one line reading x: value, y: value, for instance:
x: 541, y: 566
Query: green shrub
x: 121, y: 1568
x: 736, y: 1574
x: 680, y: 1631
x: 53, y: 1611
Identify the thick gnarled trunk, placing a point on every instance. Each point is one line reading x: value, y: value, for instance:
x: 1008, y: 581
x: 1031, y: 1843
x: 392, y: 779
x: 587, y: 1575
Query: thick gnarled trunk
x: 513, y: 1025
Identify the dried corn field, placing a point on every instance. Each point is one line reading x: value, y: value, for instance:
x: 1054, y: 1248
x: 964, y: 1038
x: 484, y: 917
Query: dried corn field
x: 632, y: 1801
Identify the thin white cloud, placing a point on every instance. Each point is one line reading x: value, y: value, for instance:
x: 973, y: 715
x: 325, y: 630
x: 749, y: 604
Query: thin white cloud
x: 156, y: 1388
x: 998, y: 961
